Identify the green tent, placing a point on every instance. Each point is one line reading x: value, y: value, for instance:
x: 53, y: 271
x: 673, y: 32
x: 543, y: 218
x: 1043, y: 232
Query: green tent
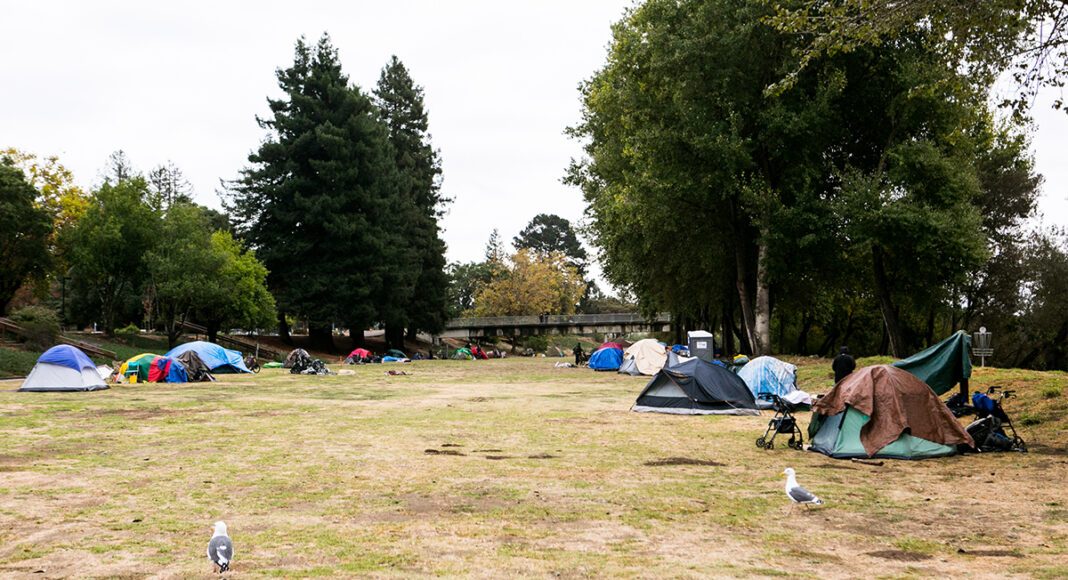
x: 943, y: 365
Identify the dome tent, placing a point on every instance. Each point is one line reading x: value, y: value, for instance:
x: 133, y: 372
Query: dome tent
x: 696, y: 387
x: 884, y: 411
x: 767, y: 374
x: 607, y: 358
x: 645, y: 357
x: 64, y: 368
x: 217, y: 358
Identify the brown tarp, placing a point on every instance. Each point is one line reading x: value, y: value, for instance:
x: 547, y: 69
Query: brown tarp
x: 894, y: 400
x: 195, y: 369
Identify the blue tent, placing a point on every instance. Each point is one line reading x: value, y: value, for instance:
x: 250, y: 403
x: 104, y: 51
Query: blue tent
x: 68, y: 356
x: 606, y: 359
x: 218, y: 359
x: 768, y: 374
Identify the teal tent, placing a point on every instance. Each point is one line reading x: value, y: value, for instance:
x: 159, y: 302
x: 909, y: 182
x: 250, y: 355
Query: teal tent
x: 943, y: 365
x: 883, y: 411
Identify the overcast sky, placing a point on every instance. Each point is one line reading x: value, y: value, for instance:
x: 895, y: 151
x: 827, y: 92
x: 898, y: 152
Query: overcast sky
x: 183, y: 82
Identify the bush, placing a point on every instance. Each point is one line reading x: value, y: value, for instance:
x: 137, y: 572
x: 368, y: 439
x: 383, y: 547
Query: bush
x: 41, y: 326
x: 1051, y: 392
x: 130, y: 330
x: 538, y: 343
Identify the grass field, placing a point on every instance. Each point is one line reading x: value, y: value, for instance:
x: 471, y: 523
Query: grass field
x: 494, y: 469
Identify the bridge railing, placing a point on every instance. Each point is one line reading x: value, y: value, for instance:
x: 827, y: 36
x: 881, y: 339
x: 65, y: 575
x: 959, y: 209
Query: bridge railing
x: 555, y: 319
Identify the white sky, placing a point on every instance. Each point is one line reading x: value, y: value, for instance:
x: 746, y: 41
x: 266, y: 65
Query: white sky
x: 184, y: 81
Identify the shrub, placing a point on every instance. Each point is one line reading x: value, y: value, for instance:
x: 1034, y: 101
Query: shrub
x: 1027, y: 419
x: 538, y: 343
x: 41, y: 325
x: 130, y: 330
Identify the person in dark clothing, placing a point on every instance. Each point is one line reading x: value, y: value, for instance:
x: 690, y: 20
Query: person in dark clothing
x: 580, y: 357
x: 843, y: 364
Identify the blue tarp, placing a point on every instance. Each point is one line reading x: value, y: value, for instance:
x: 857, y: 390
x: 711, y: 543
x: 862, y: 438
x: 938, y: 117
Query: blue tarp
x: 217, y: 358
x: 768, y: 374
x: 176, y: 372
x: 606, y: 359
x: 68, y: 356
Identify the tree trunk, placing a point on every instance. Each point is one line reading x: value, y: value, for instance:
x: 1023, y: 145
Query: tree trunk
x: 748, y: 317
x: 283, y: 329
x: 321, y: 337
x: 212, y: 328
x: 728, y: 330
x: 802, y: 337
x: 356, y: 335
x: 886, y: 304
x: 395, y: 336
x: 762, y: 310
x: 930, y: 332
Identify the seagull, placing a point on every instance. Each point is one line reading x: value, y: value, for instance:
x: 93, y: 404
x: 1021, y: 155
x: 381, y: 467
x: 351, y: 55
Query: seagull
x: 795, y: 492
x: 220, y: 548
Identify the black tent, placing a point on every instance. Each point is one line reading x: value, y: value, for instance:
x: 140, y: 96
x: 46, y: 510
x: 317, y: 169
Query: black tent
x: 696, y: 387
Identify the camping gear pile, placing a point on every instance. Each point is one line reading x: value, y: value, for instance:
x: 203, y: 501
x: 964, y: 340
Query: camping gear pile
x: 302, y: 363
x: 988, y: 430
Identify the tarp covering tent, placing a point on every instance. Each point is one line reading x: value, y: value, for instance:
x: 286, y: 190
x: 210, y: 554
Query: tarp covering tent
x: 943, y: 365
x: 137, y: 366
x: 606, y: 359
x: 195, y: 369
x: 462, y: 354
x: 767, y: 374
x: 218, y: 359
x: 63, y: 368
x: 166, y: 370
x: 395, y: 353
x: 696, y: 387
x: 883, y: 411
x: 648, y: 356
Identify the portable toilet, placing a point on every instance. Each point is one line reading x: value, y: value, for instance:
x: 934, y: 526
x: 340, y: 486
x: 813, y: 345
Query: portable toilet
x: 702, y: 345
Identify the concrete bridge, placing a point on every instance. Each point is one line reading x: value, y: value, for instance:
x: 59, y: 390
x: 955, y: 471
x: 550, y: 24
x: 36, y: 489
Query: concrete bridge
x: 509, y: 326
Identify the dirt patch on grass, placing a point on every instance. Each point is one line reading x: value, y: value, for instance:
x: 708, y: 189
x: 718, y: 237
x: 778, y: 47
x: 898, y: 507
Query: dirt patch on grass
x: 683, y: 461
x: 899, y: 555
x: 444, y: 452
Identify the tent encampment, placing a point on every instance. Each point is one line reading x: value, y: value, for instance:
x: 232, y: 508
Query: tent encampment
x: 645, y: 357
x: 607, y: 358
x: 767, y: 374
x: 943, y: 365
x: 64, y: 368
x: 218, y: 359
x: 696, y: 387
x: 883, y: 411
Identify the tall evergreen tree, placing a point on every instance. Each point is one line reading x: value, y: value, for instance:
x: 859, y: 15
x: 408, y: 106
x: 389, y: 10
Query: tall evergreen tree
x: 320, y: 202
x: 400, y: 102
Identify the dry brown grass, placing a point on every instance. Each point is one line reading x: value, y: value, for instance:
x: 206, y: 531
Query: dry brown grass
x: 495, y: 469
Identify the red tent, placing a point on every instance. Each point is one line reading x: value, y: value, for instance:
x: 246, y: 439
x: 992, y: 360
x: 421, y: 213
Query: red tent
x: 157, y: 371
x: 361, y: 353
x: 610, y: 345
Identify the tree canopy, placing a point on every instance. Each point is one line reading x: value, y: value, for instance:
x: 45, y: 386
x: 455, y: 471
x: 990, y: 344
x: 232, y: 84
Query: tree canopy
x: 25, y: 233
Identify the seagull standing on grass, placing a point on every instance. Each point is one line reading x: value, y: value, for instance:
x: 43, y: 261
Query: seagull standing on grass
x: 795, y: 492
x: 220, y: 548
